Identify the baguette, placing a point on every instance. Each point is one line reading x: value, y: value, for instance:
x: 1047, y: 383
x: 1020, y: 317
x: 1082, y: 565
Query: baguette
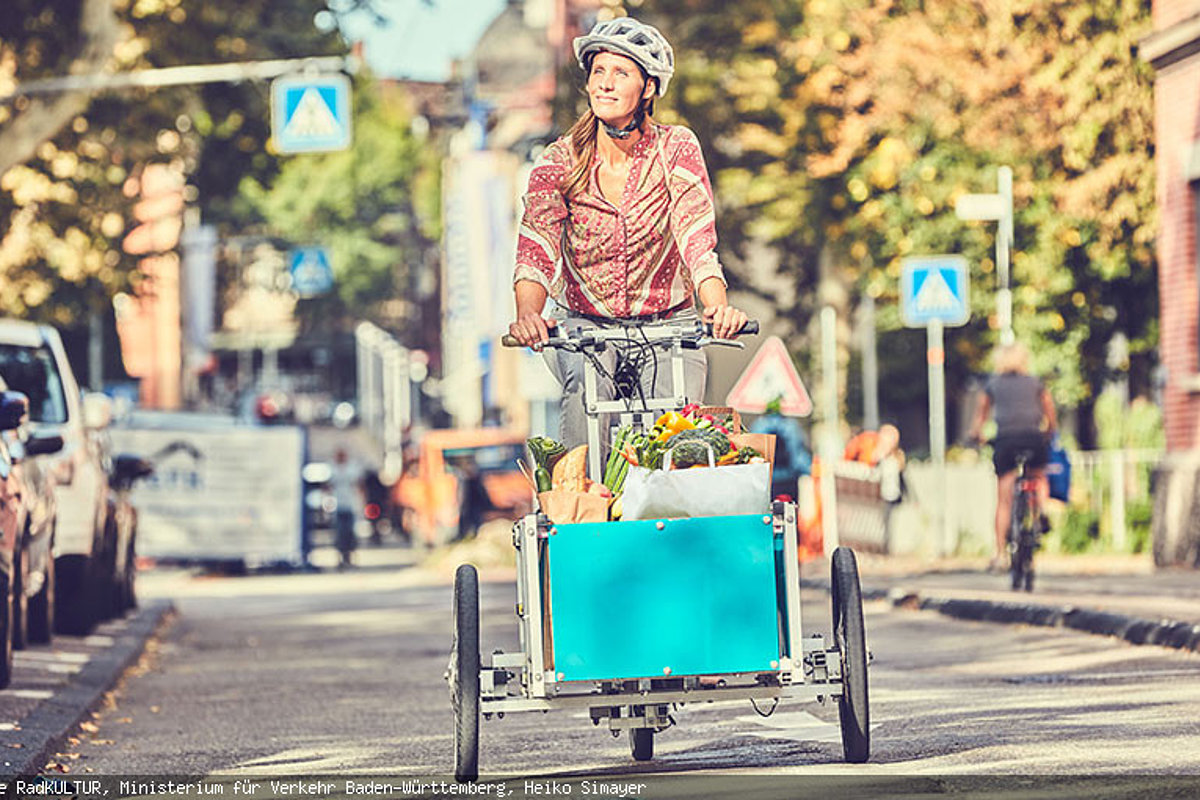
x: 570, y: 473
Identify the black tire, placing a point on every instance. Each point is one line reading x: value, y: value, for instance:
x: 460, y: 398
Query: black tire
x: 6, y: 631
x: 75, y: 596
x: 129, y: 580
x: 1021, y: 546
x: 41, y: 609
x: 641, y: 743
x: 464, y: 674
x: 20, y: 603
x: 850, y: 635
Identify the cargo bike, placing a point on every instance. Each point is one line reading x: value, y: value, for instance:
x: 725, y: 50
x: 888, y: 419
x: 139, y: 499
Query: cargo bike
x: 629, y: 619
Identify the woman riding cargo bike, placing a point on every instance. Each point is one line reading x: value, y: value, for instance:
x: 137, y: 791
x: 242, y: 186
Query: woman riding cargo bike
x: 630, y: 614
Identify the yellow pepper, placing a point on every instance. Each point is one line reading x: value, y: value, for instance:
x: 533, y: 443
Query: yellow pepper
x: 672, y: 423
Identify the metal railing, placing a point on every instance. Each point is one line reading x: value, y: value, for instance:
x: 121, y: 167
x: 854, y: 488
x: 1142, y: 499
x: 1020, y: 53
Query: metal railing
x: 1114, y: 487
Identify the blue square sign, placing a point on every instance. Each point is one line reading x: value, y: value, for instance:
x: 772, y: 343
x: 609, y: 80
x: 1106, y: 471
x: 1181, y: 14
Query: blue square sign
x: 934, y: 289
x: 311, y: 114
x: 311, y: 272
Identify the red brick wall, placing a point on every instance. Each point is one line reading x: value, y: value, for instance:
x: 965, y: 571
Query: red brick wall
x: 1177, y: 116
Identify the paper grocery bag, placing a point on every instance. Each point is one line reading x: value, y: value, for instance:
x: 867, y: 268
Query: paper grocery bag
x: 762, y: 442
x: 564, y: 507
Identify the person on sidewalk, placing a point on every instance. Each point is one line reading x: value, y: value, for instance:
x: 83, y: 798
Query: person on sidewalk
x: 1025, y: 421
x: 792, y: 456
x: 347, y: 492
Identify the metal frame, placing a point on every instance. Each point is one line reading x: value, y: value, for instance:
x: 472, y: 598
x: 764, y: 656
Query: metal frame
x: 520, y: 681
x: 814, y: 675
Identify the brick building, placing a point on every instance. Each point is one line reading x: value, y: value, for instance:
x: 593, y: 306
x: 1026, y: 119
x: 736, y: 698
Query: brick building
x: 1173, y: 48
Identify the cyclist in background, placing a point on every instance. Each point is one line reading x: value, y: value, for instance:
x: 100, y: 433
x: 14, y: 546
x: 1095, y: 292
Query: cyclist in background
x: 619, y: 219
x: 1025, y: 420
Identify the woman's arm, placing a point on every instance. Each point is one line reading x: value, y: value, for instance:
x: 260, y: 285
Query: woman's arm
x: 539, y: 247
x: 530, y: 329
x: 726, y: 320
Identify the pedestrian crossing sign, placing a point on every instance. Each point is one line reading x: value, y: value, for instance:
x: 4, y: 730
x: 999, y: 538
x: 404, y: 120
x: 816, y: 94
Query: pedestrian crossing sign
x: 310, y: 114
x: 934, y: 289
x: 311, y: 272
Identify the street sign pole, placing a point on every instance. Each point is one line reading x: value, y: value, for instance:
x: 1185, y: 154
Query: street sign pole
x: 996, y: 208
x: 1004, y: 237
x: 934, y: 293
x: 830, y: 446
x: 935, y: 359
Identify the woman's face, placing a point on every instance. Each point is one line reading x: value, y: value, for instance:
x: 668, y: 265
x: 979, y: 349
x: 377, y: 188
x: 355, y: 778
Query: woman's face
x: 615, y: 88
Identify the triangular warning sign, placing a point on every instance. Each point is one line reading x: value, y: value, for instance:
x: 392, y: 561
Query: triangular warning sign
x: 312, y: 119
x: 770, y: 374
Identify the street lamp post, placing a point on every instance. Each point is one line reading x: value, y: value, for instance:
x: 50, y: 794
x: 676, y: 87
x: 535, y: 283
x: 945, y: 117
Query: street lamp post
x: 998, y: 208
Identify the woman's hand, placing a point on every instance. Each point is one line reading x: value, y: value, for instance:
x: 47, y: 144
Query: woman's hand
x: 726, y: 320
x: 531, y: 330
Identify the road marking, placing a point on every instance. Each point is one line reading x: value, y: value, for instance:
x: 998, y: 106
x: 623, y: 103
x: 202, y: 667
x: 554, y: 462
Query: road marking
x: 30, y: 694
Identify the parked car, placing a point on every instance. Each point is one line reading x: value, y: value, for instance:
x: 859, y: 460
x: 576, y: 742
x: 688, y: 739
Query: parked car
x: 127, y: 469
x: 33, y: 576
x: 86, y: 543
x: 13, y: 409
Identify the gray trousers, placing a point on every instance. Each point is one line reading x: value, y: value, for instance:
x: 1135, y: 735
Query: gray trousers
x: 567, y: 368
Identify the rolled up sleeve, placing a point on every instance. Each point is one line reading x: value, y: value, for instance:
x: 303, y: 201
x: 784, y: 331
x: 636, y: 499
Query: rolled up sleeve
x: 539, y: 241
x: 693, y: 211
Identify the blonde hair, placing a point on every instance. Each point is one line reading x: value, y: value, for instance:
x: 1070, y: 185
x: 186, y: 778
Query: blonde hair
x: 1012, y: 358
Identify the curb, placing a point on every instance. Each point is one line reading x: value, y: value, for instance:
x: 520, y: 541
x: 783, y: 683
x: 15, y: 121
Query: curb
x: 44, y: 729
x: 1135, y: 630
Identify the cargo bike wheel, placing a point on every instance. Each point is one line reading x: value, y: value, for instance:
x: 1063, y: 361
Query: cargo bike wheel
x: 463, y: 673
x: 850, y: 635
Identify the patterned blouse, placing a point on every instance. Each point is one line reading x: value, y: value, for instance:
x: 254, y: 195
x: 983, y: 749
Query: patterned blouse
x: 622, y: 261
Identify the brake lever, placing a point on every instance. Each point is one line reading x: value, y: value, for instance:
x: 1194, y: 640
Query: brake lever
x: 734, y: 343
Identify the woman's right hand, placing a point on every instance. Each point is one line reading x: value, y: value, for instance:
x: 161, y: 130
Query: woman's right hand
x: 531, y: 330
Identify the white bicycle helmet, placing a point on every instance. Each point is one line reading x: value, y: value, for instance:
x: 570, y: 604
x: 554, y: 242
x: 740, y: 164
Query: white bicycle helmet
x: 628, y: 37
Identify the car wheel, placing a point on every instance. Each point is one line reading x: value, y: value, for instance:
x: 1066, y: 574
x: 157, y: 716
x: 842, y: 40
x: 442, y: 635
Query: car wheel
x: 74, y: 596
x: 20, y: 603
x: 41, y: 609
x: 6, y: 642
x: 130, y: 579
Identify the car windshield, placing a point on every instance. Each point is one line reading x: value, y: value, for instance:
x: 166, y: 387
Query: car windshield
x: 30, y: 370
x: 490, y: 458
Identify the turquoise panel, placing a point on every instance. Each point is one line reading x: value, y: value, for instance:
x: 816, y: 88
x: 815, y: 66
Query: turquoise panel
x: 698, y: 597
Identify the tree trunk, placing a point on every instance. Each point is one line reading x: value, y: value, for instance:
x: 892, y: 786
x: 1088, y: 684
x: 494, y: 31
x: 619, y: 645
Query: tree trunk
x: 40, y: 119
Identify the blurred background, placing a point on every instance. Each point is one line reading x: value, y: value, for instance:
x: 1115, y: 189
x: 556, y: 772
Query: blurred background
x: 195, y: 259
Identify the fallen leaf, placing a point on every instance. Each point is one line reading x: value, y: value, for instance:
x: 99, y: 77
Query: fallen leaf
x: 16, y: 745
x: 125, y: 720
x: 89, y: 727
x: 154, y: 709
x: 103, y: 741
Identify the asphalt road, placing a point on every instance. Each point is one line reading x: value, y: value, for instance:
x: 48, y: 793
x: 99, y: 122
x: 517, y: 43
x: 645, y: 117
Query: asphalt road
x: 341, y: 673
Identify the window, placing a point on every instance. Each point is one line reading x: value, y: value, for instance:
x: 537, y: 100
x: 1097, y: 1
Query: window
x: 31, y: 371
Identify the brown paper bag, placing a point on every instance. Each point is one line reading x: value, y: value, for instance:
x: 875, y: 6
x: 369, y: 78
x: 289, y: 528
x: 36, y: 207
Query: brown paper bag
x: 564, y: 507
x: 720, y: 413
x: 762, y: 442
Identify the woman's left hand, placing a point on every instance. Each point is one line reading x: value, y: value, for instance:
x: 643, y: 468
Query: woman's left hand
x: 726, y: 320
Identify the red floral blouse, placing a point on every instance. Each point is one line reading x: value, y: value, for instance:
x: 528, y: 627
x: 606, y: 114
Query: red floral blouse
x: 622, y: 261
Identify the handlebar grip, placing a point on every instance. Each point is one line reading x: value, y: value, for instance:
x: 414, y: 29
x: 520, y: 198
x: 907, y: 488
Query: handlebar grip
x: 508, y: 340
x: 749, y: 329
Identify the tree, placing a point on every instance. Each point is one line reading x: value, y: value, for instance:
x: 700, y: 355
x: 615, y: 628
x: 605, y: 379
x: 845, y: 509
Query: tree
x: 376, y: 206
x: 841, y: 134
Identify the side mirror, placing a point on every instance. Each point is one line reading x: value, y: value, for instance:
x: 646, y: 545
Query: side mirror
x: 97, y: 411
x: 129, y: 468
x: 14, y: 408
x: 42, y: 443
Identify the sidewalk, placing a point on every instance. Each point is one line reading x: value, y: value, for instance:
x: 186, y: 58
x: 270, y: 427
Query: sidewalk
x: 1123, y: 596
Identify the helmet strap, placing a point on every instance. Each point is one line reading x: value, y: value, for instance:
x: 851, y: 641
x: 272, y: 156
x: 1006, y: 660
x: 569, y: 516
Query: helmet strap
x: 634, y: 124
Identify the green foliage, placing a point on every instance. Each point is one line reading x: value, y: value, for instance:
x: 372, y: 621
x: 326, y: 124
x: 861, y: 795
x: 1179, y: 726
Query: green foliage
x: 65, y: 212
x: 847, y: 130
x: 1137, y: 425
x: 1080, y: 530
x: 1139, y: 521
x: 375, y: 205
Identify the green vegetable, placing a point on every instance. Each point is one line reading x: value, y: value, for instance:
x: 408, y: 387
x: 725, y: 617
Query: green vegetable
x: 545, y: 453
x: 544, y: 481
x: 615, y: 460
x: 691, y: 447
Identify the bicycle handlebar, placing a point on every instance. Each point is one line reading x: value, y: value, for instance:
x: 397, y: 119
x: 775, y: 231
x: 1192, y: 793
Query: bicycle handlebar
x: 706, y: 329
